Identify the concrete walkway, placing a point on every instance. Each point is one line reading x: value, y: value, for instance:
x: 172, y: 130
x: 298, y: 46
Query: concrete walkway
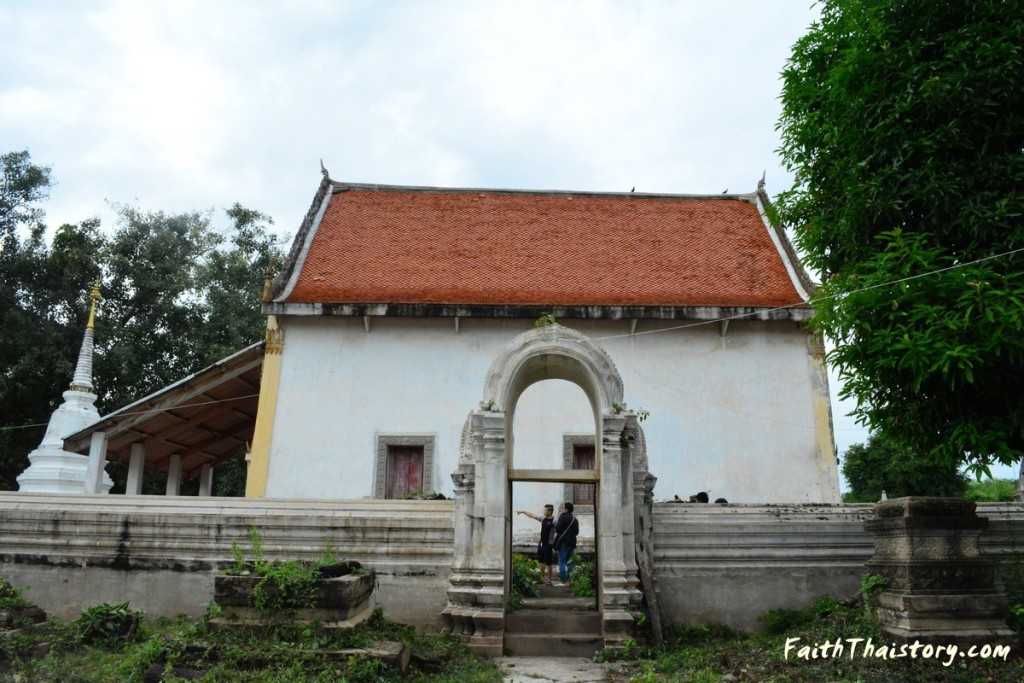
x: 552, y: 670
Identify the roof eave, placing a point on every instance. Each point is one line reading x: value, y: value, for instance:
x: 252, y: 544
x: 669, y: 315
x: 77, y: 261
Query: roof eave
x: 797, y: 312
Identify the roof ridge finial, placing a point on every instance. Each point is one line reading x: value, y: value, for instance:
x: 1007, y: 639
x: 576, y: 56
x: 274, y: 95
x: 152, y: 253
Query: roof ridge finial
x: 760, y: 183
x: 323, y: 169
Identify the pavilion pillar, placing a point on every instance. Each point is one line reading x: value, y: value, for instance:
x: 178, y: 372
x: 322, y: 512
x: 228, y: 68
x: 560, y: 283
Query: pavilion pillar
x: 206, y: 480
x: 97, y: 459
x: 174, y: 475
x: 136, y: 465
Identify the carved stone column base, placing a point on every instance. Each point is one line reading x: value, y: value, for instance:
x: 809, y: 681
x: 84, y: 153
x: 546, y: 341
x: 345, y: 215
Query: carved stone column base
x: 939, y: 587
x: 965, y: 619
x: 617, y: 626
x: 483, y: 630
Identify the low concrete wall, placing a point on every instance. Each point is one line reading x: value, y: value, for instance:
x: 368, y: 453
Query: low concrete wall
x: 163, y: 553
x: 729, y: 563
x: 722, y: 564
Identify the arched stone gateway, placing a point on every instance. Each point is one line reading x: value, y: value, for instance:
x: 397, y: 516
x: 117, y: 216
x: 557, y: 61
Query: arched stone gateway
x: 478, y: 590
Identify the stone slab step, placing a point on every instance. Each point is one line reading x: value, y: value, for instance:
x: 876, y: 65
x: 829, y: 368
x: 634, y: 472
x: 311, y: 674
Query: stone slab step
x: 550, y: 645
x: 558, y: 592
x: 553, y: 622
x: 578, y: 604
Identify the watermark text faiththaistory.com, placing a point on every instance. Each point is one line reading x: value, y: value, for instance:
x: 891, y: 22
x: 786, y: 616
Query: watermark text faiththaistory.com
x: 865, y: 648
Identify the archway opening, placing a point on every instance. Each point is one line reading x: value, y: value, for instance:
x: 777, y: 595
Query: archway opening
x: 554, y: 431
x: 489, y: 467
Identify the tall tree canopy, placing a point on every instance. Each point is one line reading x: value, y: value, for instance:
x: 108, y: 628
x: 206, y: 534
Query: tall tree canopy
x: 179, y: 293
x: 885, y: 465
x: 903, y: 121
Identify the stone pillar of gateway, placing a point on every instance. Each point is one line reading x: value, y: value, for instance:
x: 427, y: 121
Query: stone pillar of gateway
x: 481, y: 565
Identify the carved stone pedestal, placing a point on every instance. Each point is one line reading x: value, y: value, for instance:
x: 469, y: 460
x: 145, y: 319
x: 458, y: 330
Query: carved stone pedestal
x: 939, y: 589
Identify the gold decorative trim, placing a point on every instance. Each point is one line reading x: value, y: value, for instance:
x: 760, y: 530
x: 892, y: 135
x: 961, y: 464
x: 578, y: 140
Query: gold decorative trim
x: 275, y: 341
x: 816, y: 345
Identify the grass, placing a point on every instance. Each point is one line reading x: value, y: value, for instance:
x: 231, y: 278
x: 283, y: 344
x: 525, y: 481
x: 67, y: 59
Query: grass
x: 709, y: 653
x: 56, y: 651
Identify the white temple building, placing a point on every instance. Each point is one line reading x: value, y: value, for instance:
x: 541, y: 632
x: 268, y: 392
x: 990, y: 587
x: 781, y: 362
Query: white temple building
x: 395, y: 303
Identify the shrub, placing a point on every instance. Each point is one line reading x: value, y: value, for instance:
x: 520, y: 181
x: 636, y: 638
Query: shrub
x: 584, y: 577
x: 11, y: 598
x: 108, y: 625
x: 525, y: 577
x: 779, y: 621
x: 290, y: 584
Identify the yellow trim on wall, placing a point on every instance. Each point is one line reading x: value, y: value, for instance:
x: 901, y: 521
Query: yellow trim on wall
x: 259, y: 453
x: 824, y: 435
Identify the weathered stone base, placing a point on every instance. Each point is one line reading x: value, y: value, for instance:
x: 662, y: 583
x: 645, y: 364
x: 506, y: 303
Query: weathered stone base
x: 340, y: 603
x: 20, y: 616
x: 249, y: 619
x: 939, y: 587
x: 938, y: 619
x: 52, y: 470
x: 617, y: 627
x: 482, y: 630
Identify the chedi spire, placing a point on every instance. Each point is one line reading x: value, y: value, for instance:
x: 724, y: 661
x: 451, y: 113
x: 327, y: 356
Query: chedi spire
x: 83, y: 371
x: 52, y: 469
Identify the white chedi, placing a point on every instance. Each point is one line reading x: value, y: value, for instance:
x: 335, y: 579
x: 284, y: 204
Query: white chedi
x: 52, y: 469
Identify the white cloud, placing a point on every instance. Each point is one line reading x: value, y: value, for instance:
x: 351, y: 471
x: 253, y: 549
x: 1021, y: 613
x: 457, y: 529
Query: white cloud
x: 186, y: 104
x: 189, y: 104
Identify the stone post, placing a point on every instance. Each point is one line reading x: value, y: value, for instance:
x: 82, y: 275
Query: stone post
x: 457, y: 614
x: 627, y: 513
x: 476, y: 598
x: 613, y: 583
x: 938, y: 587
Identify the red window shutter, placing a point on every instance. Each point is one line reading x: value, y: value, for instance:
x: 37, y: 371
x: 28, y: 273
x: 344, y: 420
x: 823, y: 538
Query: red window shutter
x: 405, y: 471
x: 583, y: 459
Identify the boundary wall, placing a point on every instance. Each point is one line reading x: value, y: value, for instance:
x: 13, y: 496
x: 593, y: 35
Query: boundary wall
x: 162, y: 553
x: 713, y: 563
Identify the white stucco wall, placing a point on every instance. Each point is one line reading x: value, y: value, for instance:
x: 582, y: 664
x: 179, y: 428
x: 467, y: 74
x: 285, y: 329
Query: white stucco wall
x: 734, y: 415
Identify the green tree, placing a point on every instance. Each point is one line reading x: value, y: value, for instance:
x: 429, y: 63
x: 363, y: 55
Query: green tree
x: 991, y: 490
x: 232, y: 279
x: 904, y: 124
x: 22, y: 186
x: 886, y: 465
x: 179, y: 293
x: 43, y: 295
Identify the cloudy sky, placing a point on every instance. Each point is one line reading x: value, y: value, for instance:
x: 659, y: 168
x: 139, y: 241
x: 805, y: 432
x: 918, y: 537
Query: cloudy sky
x: 195, y: 105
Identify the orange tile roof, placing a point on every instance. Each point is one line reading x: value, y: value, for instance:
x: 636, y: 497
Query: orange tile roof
x: 378, y: 244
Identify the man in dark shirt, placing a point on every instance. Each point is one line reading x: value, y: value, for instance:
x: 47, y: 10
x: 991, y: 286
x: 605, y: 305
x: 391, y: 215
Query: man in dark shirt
x: 566, y: 529
x: 547, y: 537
